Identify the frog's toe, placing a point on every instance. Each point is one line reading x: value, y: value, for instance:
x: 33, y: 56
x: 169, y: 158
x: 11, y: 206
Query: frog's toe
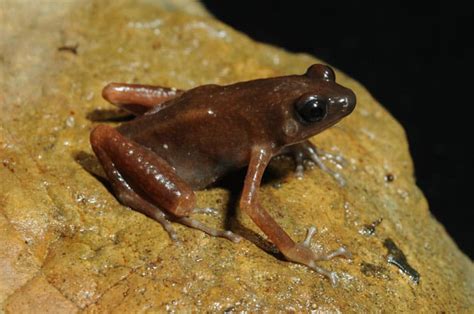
x: 299, y: 171
x: 171, y: 232
x: 318, y: 160
x: 231, y: 236
x: 309, y: 236
x: 307, y: 152
x: 331, y: 275
x: 303, y: 254
x: 341, y: 251
x: 227, y: 234
x: 333, y: 278
x: 337, y: 159
x: 205, y: 210
x: 339, y: 178
x: 163, y: 219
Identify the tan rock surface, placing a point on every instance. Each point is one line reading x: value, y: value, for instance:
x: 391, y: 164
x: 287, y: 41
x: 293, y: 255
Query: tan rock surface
x: 68, y: 245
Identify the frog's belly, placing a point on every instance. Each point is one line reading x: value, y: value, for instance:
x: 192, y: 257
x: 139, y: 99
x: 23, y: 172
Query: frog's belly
x: 202, y: 174
x: 200, y: 170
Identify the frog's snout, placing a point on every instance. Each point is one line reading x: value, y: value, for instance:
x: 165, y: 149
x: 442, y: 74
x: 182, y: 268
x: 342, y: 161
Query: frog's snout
x: 349, y: 102
x: 343, y: 104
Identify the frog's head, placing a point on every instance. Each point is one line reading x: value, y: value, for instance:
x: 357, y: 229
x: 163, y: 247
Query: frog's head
x: 321, y: 105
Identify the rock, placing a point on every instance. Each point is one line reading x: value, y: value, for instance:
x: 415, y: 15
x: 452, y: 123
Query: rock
x: 68, y: 245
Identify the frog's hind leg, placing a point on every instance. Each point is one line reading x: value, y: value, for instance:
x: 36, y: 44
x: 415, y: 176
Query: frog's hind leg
x: 147, y: 183
x: 101, y: 141
x: 138, y: 99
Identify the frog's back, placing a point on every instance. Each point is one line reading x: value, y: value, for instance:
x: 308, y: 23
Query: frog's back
x: 209, y: 130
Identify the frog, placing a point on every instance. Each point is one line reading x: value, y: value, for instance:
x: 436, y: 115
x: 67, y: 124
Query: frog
x: 182, y: 141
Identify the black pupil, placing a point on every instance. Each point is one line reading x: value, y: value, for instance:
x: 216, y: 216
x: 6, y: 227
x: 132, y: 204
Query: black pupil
x: 312, y: 110
x: 317, y: 112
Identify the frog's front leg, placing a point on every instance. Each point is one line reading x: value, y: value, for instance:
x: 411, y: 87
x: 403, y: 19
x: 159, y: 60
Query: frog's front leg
x: 295, y: 252
x: 147, y: 183
x: 307, y: 151
x: 138, y: 98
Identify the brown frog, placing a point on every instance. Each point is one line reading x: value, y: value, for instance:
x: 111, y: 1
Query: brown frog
x: 183, y: 141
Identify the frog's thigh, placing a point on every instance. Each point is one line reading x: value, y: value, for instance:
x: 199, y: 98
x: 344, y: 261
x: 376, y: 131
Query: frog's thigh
x: 141, y: 171
x: 137, y: 98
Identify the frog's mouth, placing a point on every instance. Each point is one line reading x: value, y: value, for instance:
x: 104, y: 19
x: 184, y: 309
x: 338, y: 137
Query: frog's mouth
x: 312, y: 130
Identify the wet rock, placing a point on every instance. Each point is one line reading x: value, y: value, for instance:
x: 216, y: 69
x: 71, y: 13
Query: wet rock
x: 68, y: 245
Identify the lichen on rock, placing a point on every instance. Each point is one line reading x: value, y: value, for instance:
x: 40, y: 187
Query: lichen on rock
x: 68, y: 245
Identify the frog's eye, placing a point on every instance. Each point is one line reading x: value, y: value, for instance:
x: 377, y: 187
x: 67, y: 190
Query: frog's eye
x: 311, y: 109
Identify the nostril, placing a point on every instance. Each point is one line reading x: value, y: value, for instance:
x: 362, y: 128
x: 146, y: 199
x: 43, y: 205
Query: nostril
x: 349, y: 102
x: 345, y: 102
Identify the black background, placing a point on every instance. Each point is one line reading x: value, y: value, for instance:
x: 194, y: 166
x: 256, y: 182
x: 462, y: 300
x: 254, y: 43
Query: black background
x: 414, y: 58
